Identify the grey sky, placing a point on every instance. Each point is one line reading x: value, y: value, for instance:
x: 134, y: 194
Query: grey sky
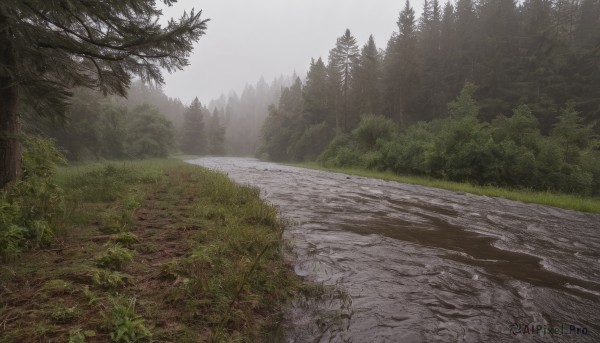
x: 246, y: 39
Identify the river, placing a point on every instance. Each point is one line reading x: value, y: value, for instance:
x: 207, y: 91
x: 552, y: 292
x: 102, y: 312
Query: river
x: 418, y: 264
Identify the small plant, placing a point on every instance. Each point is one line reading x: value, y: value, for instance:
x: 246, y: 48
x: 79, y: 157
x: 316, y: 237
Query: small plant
x: 126, y: 325
x: 63, y: 315
x: 110, y: 279
x: 80, y: 336
x: 127, y: 239
x: 115, y: 257
x: 57, y: 287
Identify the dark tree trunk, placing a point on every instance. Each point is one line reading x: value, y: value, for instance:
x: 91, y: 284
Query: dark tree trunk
x: 10, y: 125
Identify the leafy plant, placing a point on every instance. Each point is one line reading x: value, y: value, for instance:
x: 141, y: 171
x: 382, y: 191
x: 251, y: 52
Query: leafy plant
x: 126, y: 325
x: 115, y: 257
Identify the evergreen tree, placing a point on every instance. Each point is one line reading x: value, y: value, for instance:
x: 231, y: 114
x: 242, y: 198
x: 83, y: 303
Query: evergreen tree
x: 316, y: 103
x: 539, y: 68
x: 193, y: 136
x: 466, y: 42
x: 49, y: 47
x: 402, y: 69
x: 498, y: 51
x: 343, y: 60
x: 216, y: 134
x: 367, y: 76
x: 431, y: 97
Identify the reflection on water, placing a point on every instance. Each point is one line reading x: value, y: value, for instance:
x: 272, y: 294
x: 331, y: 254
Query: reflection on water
x: 422, y: 264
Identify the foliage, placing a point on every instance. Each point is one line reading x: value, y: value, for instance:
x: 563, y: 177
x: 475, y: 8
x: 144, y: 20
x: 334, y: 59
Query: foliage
x: 149, y: 134
x: 210, y: 260
x: 115, y: 257
x: 536, y: 58
x: 126, y: 325
x: 194, y: 140
x: 508, y: 152
x: 50, y: 48
x: 30, y: 207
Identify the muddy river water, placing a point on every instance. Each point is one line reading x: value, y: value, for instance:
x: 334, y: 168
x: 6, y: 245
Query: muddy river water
x: 418, y: 264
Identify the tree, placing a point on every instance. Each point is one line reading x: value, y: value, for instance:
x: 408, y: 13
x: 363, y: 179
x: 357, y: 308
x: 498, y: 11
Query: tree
x: 193, y: 138
x: 314, y: 94
x: 431, y: 97
x: 344, y: 58
x: 216, y: 135
x: 366, y: 93
x: 401, y: 65
x: 49, y: 47
x: 149, y: 133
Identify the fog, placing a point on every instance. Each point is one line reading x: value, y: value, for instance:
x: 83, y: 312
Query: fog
x: 249, y: 39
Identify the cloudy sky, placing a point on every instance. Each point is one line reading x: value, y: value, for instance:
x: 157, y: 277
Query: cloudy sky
x: 247, y: 39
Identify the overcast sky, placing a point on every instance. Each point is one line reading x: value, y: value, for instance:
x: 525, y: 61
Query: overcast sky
x: 247, y: 39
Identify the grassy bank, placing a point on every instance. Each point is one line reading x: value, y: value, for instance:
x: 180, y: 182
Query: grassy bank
x: 151, y: 250
x: 565, y: 201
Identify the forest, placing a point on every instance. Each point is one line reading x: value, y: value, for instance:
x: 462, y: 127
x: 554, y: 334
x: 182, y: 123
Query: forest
x: 489, y: 92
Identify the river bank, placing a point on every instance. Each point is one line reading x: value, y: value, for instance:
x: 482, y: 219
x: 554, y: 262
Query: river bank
x: 565, y: 201
x: 154, y: 249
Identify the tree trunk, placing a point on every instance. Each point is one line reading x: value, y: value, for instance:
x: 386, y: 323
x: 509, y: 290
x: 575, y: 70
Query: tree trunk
x: 10, y: 125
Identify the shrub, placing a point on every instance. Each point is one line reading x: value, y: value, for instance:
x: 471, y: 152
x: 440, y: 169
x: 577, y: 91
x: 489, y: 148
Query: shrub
x: 126, y: 325
x: 115, y: 257
x: 373, y: 128
x: 30, y: 207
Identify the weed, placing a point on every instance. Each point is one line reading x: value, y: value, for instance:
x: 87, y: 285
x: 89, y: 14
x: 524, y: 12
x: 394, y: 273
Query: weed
x: 126, y: 325
x: 80, y: 336
x: 115, y: 257
x: 127, y: 239
x: 57, y: 287
x: 63, y: 315
x: 110, y: 279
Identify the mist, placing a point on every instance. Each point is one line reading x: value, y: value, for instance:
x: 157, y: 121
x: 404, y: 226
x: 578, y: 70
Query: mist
x: 249, y: 39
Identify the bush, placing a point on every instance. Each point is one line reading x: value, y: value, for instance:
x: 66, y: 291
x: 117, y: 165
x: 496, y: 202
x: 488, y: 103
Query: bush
x: 373, y: 128
x: 31, y: 206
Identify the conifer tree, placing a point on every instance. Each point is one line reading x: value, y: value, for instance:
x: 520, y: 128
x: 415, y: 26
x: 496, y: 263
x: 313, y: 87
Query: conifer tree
x: 193, y: 138
x: 366, y: 90
x: 49, y: 47
x: 402, y: 69
x: 314, y: 94
x: 344, y: 59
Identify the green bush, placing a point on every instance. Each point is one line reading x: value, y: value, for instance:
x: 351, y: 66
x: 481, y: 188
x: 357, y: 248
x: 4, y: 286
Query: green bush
x: 506, y: 152
x: 373, y: 128
x: 31, y: 206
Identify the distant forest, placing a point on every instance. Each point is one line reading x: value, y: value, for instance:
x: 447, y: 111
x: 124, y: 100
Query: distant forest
x: 529, y: 75
x: 147, y: 123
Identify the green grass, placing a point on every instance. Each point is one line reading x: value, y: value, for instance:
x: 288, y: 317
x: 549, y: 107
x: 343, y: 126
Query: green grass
x: 566, y: 201
x: 150, y: 250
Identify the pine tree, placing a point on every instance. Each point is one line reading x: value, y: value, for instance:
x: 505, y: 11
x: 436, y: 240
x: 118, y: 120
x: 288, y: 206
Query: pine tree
x: 401, y: 67
x: 366, y: 90
x: 316, y: 104
x: 431, y: 97
x: 216, y: 134
x: 49, y: 47
x: 193, y: 137
x: 466, y: 31
x: 498, y: 51
x: 344, y: 59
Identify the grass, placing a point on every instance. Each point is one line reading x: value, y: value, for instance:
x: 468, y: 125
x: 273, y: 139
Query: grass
x: 150, y: 250
x: 566, y: 201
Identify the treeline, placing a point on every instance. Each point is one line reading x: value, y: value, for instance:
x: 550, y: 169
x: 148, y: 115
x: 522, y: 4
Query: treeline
x: 509, y: 151
x: 145, y: 124
x: 539, y: 53
x: 245, y: 114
